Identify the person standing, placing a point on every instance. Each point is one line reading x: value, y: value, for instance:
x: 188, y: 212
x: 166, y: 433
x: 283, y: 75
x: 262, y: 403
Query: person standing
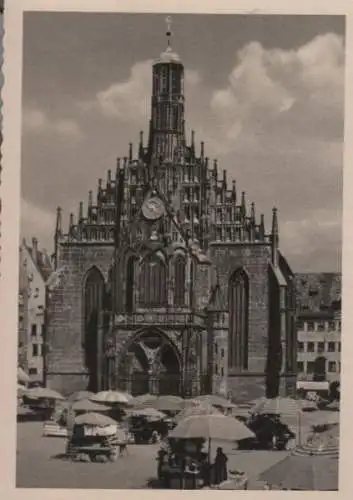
x: 220, y: 467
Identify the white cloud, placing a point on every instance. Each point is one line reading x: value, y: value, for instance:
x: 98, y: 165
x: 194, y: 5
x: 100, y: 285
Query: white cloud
x: 36, y: 121
x: 130, y: 100
x: 269, y: 87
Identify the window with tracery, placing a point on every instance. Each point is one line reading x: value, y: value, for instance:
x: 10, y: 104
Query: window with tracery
x: 179, y: 280
x: 153, y: 282
x: 238, y: 320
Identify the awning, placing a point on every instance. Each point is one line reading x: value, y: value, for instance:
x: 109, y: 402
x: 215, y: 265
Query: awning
x: 309, y: 385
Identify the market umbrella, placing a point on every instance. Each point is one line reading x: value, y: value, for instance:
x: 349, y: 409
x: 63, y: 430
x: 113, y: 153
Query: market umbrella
x: 277, y: 406
x: 77, y: 396
x: 165, y: 403
x: 199, y: 409
x: 87, y: 406
x: 215, y: 400
x: 283, y: 406
x: 304, y: 472
x: 43, y: 393
x: 215, y: 426
x: 22, y: 376
x: 144, y: 398
x: 93, y: 418
x: 112, y: 397
x: 150, y: 413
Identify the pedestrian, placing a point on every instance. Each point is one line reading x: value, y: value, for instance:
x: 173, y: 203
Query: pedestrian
x: 220, y: 467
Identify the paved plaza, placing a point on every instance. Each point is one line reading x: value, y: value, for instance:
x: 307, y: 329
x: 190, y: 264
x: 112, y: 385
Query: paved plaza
x: 40, y: 463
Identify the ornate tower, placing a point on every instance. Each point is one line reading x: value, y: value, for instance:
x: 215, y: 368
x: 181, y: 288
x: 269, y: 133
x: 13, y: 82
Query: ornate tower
x: 167, y: 105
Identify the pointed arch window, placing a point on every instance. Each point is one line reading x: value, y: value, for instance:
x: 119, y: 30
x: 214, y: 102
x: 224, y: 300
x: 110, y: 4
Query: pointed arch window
x: 239, y: 320
x: 153, y: 282
x: 179, y: 280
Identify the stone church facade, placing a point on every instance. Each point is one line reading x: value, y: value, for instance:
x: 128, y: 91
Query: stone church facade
x: 169, y: 282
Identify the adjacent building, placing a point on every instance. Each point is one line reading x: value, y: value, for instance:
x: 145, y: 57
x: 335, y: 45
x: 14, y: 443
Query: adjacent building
x: 169, y: 281
x: 35, y: 269
x: 319, y: 327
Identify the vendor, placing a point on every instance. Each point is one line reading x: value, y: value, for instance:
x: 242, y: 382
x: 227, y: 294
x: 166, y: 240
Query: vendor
x: 220, y: 467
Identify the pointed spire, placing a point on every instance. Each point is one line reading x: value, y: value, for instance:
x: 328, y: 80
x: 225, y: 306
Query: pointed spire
x: 252, y: 213
x: 262, y: 227
x: 243, y: 203
x: 234, y: 190
x: 130, y: 151
x: 141, y: 150
x: 169, y: 33
x: 225, y: 179
x: 193, y: 141
x: 202, y: 150
x: 80, y: 212
x: 117, y: 168
x: 215, y: 169
x: 275, y: 237
x: 58, y: 230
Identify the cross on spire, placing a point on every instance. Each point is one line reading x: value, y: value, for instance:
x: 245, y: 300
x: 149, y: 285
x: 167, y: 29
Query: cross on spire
x: 169, y: 33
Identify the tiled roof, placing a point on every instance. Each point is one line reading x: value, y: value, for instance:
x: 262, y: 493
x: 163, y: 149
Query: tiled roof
x: 318, y: 291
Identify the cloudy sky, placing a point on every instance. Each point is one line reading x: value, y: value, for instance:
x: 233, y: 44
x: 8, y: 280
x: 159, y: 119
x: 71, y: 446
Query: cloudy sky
x: 265, y: 93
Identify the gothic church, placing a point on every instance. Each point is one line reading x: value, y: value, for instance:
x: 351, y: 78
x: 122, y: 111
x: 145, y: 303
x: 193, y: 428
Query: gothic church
x: 168, y: 282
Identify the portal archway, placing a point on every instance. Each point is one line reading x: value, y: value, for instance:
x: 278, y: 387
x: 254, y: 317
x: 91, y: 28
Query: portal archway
x: 150, y: 363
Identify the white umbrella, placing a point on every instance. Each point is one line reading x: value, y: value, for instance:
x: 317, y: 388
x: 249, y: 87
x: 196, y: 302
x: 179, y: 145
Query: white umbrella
x: 216, y: 426
x: 150, y: 413
x: 215, y: 400
x: 96, y: 419
x: 43, y: 393
x: 112, y: 397
x: 88, y: 406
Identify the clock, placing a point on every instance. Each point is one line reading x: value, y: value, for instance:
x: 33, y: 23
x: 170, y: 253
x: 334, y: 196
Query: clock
x: 153, y: 208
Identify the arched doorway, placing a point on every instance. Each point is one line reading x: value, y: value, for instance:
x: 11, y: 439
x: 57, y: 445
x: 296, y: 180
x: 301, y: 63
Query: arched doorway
x: 150, y: 364
x: 93, y: 304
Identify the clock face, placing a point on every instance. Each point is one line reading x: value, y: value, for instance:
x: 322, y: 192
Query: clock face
x: 153, y: 208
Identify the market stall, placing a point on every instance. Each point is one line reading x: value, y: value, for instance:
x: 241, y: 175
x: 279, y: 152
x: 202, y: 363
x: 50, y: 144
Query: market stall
x: 95, y: 437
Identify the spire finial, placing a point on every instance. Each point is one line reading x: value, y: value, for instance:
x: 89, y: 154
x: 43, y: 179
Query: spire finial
x: 169, y: 33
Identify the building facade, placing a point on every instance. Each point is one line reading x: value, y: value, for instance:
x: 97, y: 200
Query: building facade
x: 168, y: 281
x: 35, y: 269
x: 319, y: 327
